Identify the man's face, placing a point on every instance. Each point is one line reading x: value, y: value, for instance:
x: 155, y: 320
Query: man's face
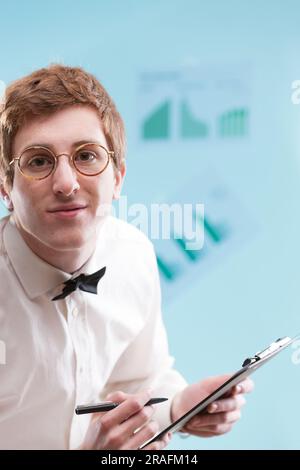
x: 38, y: 206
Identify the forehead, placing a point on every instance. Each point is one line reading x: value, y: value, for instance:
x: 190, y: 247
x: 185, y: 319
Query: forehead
x: 61, y: 129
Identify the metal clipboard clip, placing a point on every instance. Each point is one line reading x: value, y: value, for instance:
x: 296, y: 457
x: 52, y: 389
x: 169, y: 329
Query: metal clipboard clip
x: 279, y: 343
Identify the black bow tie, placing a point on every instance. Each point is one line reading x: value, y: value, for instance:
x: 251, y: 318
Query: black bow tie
x: 86, y: 282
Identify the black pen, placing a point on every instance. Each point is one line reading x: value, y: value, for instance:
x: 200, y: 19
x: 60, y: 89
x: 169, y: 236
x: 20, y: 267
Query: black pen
x: 109, y: 405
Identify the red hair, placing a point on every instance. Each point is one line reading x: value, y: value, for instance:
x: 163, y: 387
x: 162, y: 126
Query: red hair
x: 46, y: 91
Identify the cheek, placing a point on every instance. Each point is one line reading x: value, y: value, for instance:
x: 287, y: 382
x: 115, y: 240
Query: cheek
x: 105, y: 194
x: 25, y: 199
x: 103, y: 189
x: 101, y: 198
x: 23, y: 208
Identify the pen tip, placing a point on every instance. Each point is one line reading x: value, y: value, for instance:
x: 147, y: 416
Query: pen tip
x: 160, y: 400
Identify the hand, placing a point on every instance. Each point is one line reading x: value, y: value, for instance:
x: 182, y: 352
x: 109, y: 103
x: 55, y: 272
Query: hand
x: 126, y: 427
x: 220, y: 415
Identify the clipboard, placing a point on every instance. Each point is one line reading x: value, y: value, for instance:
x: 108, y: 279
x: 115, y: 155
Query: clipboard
x: 250, y: 365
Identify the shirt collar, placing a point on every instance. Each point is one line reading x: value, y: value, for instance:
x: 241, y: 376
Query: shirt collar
x: 36, y: 276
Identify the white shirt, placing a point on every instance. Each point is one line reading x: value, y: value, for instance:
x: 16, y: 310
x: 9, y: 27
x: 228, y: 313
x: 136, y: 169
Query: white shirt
x: 59, y: 354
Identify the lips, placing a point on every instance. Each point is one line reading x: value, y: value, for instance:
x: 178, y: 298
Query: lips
x: 68, y: 208
x: 67, y: 211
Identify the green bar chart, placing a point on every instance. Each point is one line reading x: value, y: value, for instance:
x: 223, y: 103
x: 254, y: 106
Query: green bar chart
x: 234, y: 123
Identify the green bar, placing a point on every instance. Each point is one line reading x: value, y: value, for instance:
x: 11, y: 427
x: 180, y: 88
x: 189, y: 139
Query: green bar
x: 190, y: 127
x: 157, y: 125
x: 213, y: 232
x: 191, y: 254
x: 221, y: 126
x: 166, y: 270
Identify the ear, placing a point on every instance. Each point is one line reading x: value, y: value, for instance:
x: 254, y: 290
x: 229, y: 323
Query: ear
x: 119, y: 178
x: 6, y: 198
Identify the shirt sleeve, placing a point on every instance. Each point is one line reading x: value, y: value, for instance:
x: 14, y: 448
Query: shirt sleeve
x: 146, y: 363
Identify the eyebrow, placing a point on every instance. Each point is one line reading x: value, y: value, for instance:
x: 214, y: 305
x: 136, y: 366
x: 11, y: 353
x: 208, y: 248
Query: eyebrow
x: 75, y: 144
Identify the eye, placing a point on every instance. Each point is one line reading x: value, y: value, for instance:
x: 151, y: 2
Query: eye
x: 86, y: 156
x: 39, y: 162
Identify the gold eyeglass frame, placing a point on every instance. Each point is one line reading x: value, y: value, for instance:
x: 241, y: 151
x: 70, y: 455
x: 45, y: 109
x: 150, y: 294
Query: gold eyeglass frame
x: 110, y: 154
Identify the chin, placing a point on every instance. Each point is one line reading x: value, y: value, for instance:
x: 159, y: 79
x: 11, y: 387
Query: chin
x: 67, y: 244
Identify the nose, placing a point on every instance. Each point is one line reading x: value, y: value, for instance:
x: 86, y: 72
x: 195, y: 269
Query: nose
x: 64, y: 178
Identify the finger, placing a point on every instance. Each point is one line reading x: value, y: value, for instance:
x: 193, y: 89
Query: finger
x: 216, y: 430
x: 166, y: 439
x: 209, y: 420
x: 246, y: 386
x: 141, y: 436
x: 119, y: 437
x: 130, y: 406
x: 227, y: 404
x: 136, y: 421
x: 117, y: 396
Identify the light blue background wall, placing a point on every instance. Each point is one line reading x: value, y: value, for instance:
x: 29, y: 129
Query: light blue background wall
x: 250, y: 295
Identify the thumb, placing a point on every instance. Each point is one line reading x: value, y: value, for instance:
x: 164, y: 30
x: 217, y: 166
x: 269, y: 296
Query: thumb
x: 117, y: 396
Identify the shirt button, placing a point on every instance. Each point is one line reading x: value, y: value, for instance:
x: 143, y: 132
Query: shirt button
x: 75, y: 312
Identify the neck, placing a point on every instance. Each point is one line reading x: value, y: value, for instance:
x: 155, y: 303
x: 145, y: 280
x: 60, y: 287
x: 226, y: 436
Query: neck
x: 68, y: 261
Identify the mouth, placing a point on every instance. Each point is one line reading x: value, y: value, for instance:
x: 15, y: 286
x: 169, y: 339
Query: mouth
x: 67, y: 212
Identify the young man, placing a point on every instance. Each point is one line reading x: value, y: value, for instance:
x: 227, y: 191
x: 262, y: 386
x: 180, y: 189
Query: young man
x: 99, y: 336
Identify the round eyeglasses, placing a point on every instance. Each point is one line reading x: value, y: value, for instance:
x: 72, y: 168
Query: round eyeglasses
x: 37, y: 162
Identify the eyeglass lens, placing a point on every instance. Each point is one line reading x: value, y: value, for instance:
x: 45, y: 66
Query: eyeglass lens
x: 39, y: 162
